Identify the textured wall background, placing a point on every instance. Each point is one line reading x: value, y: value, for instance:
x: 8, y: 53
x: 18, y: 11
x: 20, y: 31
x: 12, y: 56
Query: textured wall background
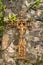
x: 33, y: 38
x: 15, y: 6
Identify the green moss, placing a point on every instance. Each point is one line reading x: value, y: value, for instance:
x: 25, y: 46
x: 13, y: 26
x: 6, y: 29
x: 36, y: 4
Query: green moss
x: 12, y: 18
x: 37, y: 2
x: 2, y: 11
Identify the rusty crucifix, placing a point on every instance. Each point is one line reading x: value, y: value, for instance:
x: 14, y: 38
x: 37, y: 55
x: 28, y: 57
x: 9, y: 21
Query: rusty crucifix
x: 22, y: 25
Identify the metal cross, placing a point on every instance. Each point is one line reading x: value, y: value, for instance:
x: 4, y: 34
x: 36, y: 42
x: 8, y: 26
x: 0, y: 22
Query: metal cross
x: 21, y: 25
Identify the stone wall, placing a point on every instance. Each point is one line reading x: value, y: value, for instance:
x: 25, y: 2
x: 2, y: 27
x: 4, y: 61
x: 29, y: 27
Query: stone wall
x: 33, y: 38
x: 15, y: 6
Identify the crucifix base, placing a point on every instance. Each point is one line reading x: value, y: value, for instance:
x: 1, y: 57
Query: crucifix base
x: 21, y: 49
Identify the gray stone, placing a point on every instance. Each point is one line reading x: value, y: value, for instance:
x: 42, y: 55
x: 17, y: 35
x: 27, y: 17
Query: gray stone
x: 33, y: 38
x: 35, y: 33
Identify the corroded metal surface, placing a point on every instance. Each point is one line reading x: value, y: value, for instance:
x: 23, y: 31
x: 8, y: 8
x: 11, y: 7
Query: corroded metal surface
x: 21, y: 25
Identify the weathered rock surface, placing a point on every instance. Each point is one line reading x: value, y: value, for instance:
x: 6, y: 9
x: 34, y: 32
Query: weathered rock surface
x: 34, y: 46
x: 33, y: 38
